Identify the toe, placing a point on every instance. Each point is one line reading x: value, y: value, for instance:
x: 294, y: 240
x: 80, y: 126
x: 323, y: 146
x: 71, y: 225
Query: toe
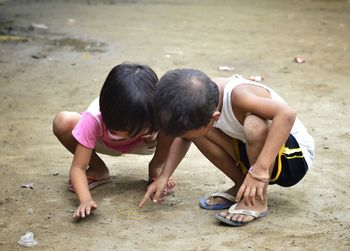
x: 223, y: 214
x: 232, y: 217
x: 215, y: 201
x: 247, y: 219
x: 240, y: 218
x: 209, y: 201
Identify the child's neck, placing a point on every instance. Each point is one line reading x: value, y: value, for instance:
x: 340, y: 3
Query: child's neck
x: 221, y: 83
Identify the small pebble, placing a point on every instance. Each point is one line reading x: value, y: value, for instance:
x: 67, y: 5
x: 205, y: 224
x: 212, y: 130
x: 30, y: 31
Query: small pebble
x: 299, y: 60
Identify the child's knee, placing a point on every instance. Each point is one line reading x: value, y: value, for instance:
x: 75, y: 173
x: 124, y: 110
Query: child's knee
x: 255, y: 129
x: 63, y: 123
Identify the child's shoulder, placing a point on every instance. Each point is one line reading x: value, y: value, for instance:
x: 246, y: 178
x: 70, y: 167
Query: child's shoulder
x: 94, y: 107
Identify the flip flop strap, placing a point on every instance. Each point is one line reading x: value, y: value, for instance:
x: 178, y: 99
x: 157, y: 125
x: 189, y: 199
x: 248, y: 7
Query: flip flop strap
x: 245, y: 212
x: 226, y: 196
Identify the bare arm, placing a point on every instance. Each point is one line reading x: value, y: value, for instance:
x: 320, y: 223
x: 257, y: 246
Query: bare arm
x: 281, y: 115
x: 78, y: 177
x: 174, y: 149
x: 249, y: 100
x: 157, y: 163
x: 177, y: 152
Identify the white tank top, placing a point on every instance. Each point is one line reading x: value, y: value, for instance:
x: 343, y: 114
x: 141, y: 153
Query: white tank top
x: 229, y: 124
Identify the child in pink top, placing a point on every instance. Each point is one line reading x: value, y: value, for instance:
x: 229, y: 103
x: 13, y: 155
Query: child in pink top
x: 118, y: 122
x: 91, y: 129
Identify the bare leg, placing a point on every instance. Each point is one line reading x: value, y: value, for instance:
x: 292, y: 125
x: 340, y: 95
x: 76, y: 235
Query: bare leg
x: 217, y: 147
x: 256, y: 130
x: 63, y: 124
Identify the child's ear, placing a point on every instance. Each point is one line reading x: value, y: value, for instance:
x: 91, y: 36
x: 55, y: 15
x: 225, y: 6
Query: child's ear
x: 216, y: 115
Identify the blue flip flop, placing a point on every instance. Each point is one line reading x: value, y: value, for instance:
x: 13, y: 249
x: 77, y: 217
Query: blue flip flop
x: 230, y: 200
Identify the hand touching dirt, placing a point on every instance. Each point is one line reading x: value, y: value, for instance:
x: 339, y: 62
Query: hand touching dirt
x: 250, y: 190
x: 84, y: 209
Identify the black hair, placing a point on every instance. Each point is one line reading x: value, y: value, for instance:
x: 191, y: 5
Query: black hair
x: 126, y: 98
x: 185, y: 99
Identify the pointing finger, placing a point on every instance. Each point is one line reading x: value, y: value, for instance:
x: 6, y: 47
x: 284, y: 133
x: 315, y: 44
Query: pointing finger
x: 146, y: 197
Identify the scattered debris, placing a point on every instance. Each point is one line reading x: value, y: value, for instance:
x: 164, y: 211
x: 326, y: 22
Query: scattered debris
x: 27, y: 240
x: 38, y: 56
x: 299, y: 60
x: 173, y: 50
x: 30, y: 211
x: 39, y: 26
x: 256, y: 78
x: 28, y: 185
x: 56, y: 174
x: 174, y: 203
x: 71, y: 21
x: 226, y: 68
x: 71, y: 210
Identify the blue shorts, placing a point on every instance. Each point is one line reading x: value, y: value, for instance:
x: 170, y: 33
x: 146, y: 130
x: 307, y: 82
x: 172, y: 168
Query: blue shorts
x: 290, y: 166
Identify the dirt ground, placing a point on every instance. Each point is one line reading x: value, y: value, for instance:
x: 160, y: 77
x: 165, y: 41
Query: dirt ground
x: 55, y: 55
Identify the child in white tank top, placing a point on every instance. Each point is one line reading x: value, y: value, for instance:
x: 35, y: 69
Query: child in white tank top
x: 244, y: 128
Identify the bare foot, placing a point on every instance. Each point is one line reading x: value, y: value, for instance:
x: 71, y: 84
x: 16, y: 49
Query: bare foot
x: 259, y: 207
x: 99, y: 173
x: 220, y: 200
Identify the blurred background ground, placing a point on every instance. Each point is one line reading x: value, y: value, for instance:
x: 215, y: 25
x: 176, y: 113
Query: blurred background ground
x: 55, y: 55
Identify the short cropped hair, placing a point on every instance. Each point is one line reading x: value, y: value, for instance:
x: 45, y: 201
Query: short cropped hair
x: 185, y: 99
x: 126, y: 98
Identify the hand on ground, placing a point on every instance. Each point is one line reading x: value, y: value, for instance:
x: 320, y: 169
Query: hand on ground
x: 84, y: 209
x: 250, y: 190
